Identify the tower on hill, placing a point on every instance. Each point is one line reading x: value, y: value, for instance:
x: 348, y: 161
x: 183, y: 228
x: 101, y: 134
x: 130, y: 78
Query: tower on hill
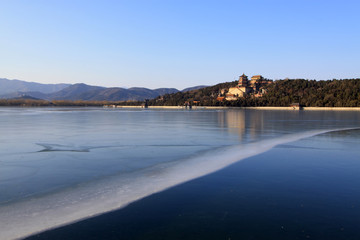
x: 243, y: 81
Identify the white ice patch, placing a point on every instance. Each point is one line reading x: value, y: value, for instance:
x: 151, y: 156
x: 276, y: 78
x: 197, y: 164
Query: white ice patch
x: 21, y: 219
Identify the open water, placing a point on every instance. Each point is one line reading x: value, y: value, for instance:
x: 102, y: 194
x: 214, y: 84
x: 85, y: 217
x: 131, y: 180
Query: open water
x: 61, y: 165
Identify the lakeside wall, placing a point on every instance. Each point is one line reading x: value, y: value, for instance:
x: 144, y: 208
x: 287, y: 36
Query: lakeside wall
x: 255, y: 108
x: 332, y: 108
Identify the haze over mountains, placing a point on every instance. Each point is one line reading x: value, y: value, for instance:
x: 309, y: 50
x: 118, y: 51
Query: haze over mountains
x: 10, y: 86
x: 10, y: 89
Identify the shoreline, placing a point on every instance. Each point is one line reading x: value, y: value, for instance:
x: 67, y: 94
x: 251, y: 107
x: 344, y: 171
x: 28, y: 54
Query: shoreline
x: 198, y: 107
x: 253, y: 108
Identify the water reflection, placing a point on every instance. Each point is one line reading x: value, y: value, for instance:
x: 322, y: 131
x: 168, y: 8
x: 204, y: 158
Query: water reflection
x: 250, y: 125
x: 234, y: 122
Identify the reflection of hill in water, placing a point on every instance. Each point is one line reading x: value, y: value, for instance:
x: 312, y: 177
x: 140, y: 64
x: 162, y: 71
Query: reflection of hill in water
x: 250, y: 125
x: 244, y: 123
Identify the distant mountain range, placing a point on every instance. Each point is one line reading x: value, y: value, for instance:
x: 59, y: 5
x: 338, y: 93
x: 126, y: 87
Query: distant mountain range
x: 10, y: 86
x: 14, y: 89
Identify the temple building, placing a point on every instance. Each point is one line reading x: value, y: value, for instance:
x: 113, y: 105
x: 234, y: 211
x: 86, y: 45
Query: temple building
x: 256, y: 82
x: 243, y: 81
x: 255, y: 86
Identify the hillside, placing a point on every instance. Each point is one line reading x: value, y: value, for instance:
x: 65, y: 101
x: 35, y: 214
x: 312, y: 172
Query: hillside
x: 122, y: 94
x: 16, y: 89
x: 206, y: 96
x: 309, y: 93
x: 94, y: 93
x: 12, y: 86
x: 194, y: 88
x: 73, y: 92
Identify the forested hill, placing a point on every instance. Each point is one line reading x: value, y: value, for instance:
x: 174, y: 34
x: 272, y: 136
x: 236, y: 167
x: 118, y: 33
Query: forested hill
x: 309, y: 93
x: 206, y: 96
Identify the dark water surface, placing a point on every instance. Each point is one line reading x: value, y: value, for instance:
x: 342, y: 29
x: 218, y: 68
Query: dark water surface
x: 308, y: 189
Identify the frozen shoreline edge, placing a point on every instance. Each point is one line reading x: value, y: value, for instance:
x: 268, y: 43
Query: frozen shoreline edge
x: 196, y: 108
x: 253, y: 108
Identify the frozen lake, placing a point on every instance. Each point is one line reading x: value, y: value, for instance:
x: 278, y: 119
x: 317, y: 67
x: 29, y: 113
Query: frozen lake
x: 60, y: 165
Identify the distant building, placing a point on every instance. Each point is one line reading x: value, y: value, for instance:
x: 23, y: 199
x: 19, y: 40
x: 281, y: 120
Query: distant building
x: 245, y: 87
x: 257, y: 78
x: 256, y: 81
x: 243, y: 81
x: 220, y: 99
x: 231, y: 97
x: 145, y: 104
x: 236, y: 91
x: 222, y: 91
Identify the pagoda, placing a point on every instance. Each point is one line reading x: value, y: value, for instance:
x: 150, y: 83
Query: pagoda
x: 243, y: 81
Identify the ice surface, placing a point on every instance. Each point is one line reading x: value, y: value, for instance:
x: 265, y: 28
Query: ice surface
x: 86, y: 200
x: 58, y: 165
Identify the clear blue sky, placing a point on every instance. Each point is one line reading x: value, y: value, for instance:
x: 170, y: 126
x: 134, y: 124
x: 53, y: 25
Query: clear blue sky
x: 177, y: 43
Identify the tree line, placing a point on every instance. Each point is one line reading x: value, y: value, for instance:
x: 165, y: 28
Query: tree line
x: 311, y: 93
